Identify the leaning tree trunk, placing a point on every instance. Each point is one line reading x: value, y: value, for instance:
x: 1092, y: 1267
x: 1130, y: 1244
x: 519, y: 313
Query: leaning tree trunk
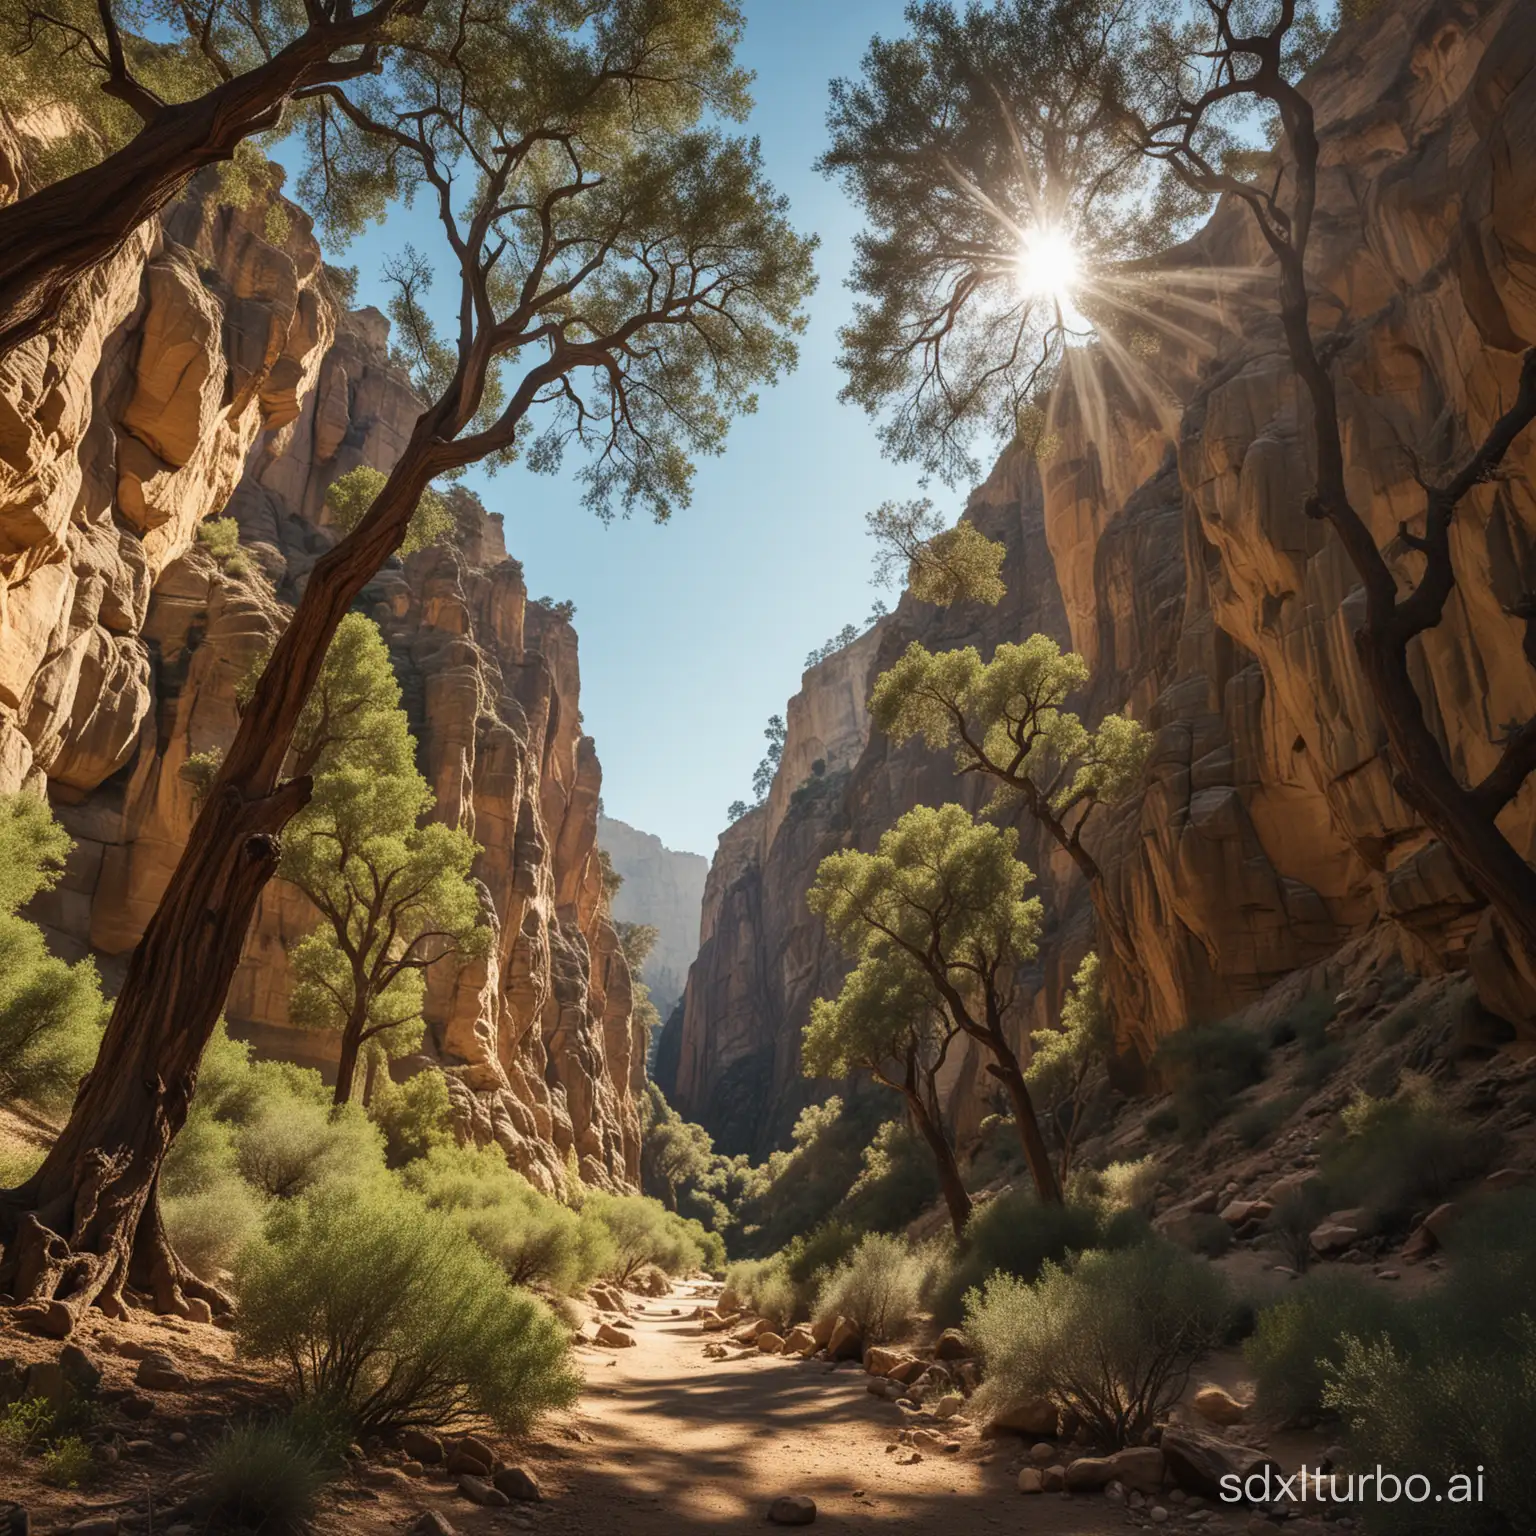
x: 346, y: 1065
x: 51, y: 240
x: 1005, y: 1068
x: 86, y: 1225
x: 950, y: 1182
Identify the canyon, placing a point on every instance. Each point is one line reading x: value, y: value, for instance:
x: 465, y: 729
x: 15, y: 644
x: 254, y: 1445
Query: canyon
x: 213, y: 369
x: 1158, y: 529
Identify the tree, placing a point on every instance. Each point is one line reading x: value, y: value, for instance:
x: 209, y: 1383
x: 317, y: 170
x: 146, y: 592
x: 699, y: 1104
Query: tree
x: 940, y: 565
x: 886, y: 1022
x: 673, y: 1151
x: 637, y: 941
x: 1228, y: 62
x: 208, y: 78
x: 625, y: 280
x: 1007, y: 719
x: 941, y: 903
x: 762, y: 778
x: 349, y: 496
x: 1063, y: 1061
x: 51, y: 1013
x: 983, y: 160
x: 736, y: 810
x: 395, y: 896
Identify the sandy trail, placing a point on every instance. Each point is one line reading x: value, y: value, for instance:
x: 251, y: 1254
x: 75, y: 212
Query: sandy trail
x: 674, y: 1444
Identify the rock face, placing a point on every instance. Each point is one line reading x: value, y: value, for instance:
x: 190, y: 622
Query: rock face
x: 1163, y: 536
x: 661, y: 887
x: 210, y: 371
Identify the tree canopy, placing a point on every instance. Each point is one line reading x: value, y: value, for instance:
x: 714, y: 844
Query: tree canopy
x: 349, y: 496
x: 940, y: 565
x: 1007, y: 719
x: 395, y: 896
x: 1063, y: 1061
x: 985, y: 132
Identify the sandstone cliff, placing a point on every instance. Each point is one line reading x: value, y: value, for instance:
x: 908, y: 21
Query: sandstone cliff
x: 1163, y: 537
x: 210, y: 371
x: 661, y: 887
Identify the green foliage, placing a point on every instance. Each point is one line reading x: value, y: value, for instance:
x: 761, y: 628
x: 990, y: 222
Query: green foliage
x: 675, y: 1154
x: 349, y: 497
x: 1209, y: 1065
x: 208, y: 1227
x: 220, y: 536
x: 1014, y: 1234
x: 1065, y: 1063
x: 265, y: 1476
x: 877, y: 1288
x: 1113, y: 1338
x: 414, y: 1116
x: 25, y: 1425
x: 612, y: 880
x: 395, y: 896
x: 939, y: 565
x: 536, y: 1240
x: 51, y: 1013
x: 288, y: 1149
x: 18, y: 1162
x: 970, y: 128
x: 776, y: 733
x: 1401, y: 1154
x: 1258, y: 1124
x: 1299, y: 1340
x: 898, y: 1181
x: 1007, y: 719
x: 68, y: 1463
x: 388, y: 1309
x: 644, y: 1232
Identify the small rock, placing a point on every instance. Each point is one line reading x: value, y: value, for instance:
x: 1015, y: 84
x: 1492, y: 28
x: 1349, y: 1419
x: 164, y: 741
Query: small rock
x: 198, y: 1311
x: 413, y: 1468
x: 464, y: 1461
x: 769, y: 1342
x: 177, y: 1437
x: 519, y: 1483
x: 613, y: 1338
x: 1054, y: 1478
x: 433, y: 1524
x: 159, y: 1373
x: 948, y: 1406
x: 478, y: 1491
x: 422, y: 1446
x: 845, y: 1343
x: 792, y: 1509
x: 135, y: 1407
x: 1159, y: 1514
x: 1042, y: 1453
x: 1030, y: 1480
x: 1389, y: 1274
x: 1218, y: 1406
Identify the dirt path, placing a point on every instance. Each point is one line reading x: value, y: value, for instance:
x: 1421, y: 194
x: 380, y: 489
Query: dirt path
x: 674, y: 1443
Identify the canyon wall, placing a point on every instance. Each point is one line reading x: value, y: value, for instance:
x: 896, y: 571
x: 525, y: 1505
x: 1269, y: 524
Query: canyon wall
x: 209, y: 370
x: 1161, y: 533
x: 661, y: 887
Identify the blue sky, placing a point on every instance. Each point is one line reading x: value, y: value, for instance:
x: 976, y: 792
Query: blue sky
x: 694, y: 633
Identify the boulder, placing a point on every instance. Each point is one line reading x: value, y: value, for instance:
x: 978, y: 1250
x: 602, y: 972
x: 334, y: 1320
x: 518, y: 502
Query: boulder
x: 1054, y: 1479
x: 907, y: 1370
x: 799, y: 1341
x: 749, y: 1334
x: 948, y: 1405
x: 845, y: 1342
x: 878, y: 1360
x: 1042, y: 1453
x: 1238, y: 1212
x: 1028, y: 1416
x: 952, y: 1345
x: 792, y: 1509
x: 1088, y: 1474
x: 1138, y: 1467
x: 159, y: 1373
x: 518, y: 1483
x: 822, y: 1330
x: 769, y: 1343
x: 478, y: 1491
x: 433, y: 1524
x: 1341, y: 1230
x: 1204, y: 1204
x: 1030, y: 1480
x: 613, y: 1338
x: 1197, y: 1462
x: 1218, y: 1406
x: 422, y: 1446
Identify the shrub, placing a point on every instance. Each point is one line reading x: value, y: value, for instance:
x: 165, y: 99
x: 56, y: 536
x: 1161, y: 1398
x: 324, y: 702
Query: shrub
x: 644, y: 1232
x: 18, y: 1162
x: 1307, y: 1022
x: 898, y: 1183
x: 1113, y: 1339
x: 286, y: 1149
x: 1208, y: 1235
x: 414, y: 1116
x: 51, y: 1017
x: 1125, y: 1186
x: 1293, y: 1221
x: 1209, y: 1065
x: 763, y: 1286
x: 1396, y: 1155
x: 390, y: 1311
x: 68, y: 1463
x: 877, y: 1288
x: 210, y: 1226
x: 265, y: 1476
x: 1301, y: 1337
x: 1258, y: 1124
x: 25, y: 1425
x: 1013, y: 1235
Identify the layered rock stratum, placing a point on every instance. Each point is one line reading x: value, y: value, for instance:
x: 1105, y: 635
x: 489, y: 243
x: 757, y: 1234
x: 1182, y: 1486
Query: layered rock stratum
x: 1161, y: 533
x: 210, y: 370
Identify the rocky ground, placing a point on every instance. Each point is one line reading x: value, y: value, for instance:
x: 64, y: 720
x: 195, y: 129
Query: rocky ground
x: 682, y: 1430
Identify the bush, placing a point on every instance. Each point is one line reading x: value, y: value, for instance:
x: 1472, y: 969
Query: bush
x: 1117, y: 1187
x: 391, y: 1312
x: 644, y: 1232
x: 898, y: 1183
x: 265, y: 1477
x: 1321, y: 1065
x: 414, y: 1116
x: 1013, y: 1235
x: 1301, y: 1337
x: 877, y: 1288
x: 287, y: 1149
x: 1258, y: 1124
x: 68, y: 1463
x: 210, y: 1226
x: 51, y: 1018
x: 1398, y: 1155
x: 1209, y: 1065
x: 1113, y: 1339
x: 1209, y: 1235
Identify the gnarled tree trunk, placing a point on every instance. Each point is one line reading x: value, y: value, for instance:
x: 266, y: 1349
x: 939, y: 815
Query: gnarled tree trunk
x: 957, y: 1201
x: 86, y: 1225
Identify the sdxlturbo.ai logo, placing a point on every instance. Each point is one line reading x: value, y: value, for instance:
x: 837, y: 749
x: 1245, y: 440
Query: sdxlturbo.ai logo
x: 1314, y: 1485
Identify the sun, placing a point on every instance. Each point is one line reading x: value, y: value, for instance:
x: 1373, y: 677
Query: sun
x: 1049, y: 266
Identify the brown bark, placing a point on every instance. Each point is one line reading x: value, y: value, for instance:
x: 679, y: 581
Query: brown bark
x: 346, y: 1065
x: 51, y: 240
x: 956, y: 1199
x: 80, y: 1229
x: 1005, y: 1068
